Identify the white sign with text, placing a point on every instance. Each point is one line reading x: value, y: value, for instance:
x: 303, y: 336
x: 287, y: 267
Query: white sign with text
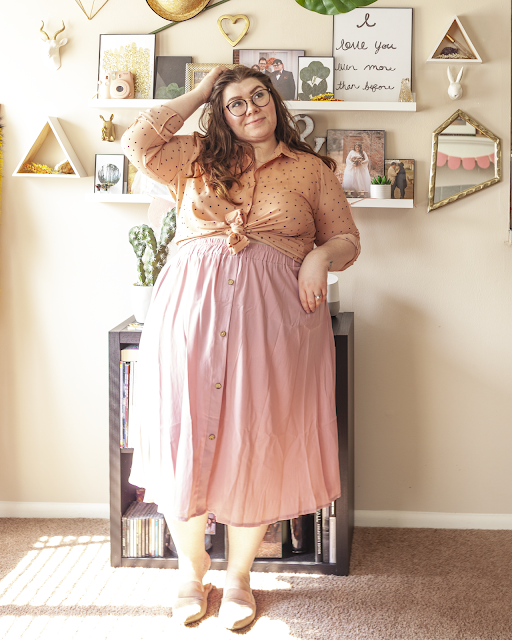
x: 372, y: 51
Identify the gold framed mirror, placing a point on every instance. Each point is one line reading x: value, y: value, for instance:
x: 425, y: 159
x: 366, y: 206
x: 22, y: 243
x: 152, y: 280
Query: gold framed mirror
x: 466, y: 158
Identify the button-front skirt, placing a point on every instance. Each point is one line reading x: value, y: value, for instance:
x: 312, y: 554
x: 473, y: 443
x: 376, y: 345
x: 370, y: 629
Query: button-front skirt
x: 235, y: 408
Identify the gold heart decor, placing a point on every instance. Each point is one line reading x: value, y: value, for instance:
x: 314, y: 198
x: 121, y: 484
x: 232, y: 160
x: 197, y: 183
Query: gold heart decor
x: 233, y: 20
x: 90, y: 15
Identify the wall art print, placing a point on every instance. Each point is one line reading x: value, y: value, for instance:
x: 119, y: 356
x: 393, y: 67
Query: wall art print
x: 359, y: 154
x: 316, y: 76
x: 373, y: 53
x: 170, y: 76
x: 135, y: 53
x: 282, y: 65
x: 110, y: 173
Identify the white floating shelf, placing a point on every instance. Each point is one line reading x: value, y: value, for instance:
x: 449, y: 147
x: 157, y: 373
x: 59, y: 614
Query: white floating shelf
x: 293, y: 105
x: 125, y: 198
x: 384, y: 203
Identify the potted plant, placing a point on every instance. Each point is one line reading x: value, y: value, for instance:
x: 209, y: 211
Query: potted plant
x: 380, y: 187
x: 151, y: 258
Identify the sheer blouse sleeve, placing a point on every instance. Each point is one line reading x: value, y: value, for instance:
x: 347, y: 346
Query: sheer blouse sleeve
x: 333, y: 216
x: 151, y: 145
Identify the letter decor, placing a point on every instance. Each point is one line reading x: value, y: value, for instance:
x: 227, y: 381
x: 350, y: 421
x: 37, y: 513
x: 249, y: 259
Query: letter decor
x: 333, y: 7
x: 372, y: 51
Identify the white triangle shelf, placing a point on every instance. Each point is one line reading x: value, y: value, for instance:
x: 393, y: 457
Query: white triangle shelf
x: 54, y: 127
x: 455, y: 30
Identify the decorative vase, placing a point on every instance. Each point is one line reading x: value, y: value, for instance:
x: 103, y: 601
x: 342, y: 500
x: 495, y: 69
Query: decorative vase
x: 141, y: 298
x: 381, y: 191
x: 333, y: 294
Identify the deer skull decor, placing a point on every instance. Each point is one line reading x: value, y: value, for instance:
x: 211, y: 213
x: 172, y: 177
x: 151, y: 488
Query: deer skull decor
x: 53, y: 47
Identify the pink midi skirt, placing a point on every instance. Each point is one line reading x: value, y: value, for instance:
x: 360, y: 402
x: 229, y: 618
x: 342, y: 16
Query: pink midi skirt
x: 234, y: 402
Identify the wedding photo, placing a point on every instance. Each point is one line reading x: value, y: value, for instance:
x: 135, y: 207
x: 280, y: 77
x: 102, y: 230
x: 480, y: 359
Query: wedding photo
x: 282, y: 65
x: 360, y: 157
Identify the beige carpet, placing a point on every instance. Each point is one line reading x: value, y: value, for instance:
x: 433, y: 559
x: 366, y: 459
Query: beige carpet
x: 425, y: 584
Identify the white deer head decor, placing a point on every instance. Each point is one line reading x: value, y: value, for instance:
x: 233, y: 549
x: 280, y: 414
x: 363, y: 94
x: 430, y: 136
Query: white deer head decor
x: 53, y: 47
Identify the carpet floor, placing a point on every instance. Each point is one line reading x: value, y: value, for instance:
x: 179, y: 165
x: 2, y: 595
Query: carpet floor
x: 427, y: 584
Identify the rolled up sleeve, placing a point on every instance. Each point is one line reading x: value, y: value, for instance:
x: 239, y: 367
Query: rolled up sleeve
x: 332, y: 213
x: 152, y: 147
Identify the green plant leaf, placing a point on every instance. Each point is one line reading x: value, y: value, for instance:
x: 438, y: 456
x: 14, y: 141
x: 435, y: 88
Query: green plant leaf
x: 320, y: 88
x: 307, y: 90
x: 306, y: 74
x: 333, y: 7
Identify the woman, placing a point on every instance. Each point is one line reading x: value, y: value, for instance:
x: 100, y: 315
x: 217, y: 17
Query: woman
x: 401, y: 180
x: 357, y: 174
x: 237, y: 357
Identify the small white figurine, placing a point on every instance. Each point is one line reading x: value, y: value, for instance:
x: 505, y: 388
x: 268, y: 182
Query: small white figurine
x: 52, y: 46
x: 455, y: 88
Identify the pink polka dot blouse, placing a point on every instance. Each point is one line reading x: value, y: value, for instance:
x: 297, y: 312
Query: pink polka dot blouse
x: 291, y: 202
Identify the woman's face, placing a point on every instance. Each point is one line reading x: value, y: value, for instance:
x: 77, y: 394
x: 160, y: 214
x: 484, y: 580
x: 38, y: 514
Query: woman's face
x: 358, y: 148
x: 258, y: 124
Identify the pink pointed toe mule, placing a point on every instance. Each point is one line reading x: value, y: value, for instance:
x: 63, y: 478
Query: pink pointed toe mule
x: 237, y: 609
x: 191, y: 603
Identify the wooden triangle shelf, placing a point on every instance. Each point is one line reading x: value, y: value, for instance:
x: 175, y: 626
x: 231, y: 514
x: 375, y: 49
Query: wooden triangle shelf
x: 455, y: 30
x: 52, y: 127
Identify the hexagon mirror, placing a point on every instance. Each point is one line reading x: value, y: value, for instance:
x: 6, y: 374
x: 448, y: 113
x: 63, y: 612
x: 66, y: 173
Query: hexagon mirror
x: 466, y: 158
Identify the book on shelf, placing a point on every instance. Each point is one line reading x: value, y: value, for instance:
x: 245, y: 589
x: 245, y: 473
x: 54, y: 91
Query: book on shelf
x: 325, y: 534
x: 332, y: 532
x: 143, y: 531
x: 318, y: 536
x: 130, y: 353
x: 127, y: 390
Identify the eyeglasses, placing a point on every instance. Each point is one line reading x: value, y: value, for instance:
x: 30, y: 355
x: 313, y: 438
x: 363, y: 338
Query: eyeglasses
x: 239, y: 106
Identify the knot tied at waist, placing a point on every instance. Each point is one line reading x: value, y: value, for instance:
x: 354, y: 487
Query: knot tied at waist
x: 237, y: 238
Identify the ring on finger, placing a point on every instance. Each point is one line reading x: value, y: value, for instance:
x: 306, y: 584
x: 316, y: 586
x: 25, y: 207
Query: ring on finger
x: 317, y: 297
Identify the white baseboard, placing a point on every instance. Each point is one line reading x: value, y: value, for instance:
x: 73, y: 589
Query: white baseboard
x: 54, y: 510
x: 432, y: 520
x: 403, y: 519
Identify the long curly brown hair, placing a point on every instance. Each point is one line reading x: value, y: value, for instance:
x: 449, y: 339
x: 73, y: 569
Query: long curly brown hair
x: 222, y: 154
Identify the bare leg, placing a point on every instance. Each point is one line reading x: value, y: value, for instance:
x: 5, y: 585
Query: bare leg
x: 243, y: 544
x: 238, y: 607
x: 188, y: 538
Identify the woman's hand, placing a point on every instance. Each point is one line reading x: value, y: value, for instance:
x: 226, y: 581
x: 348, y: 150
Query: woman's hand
x: 207, y: 83
x: 313, y: 280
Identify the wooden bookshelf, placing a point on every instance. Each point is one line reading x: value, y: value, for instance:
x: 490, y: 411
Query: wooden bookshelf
x: 122, y: 493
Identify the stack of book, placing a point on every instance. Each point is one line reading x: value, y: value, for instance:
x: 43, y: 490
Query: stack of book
x: 128, y: 363
x: 325, y: 534
x: 143, y: 531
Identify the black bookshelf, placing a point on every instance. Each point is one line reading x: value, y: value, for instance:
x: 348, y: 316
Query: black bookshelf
x: 122, y: 493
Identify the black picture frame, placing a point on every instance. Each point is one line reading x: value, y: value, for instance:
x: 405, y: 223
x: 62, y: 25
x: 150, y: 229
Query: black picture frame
x: 170, y: 70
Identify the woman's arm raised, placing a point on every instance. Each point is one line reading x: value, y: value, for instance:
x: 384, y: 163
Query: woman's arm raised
x: 186, y: 104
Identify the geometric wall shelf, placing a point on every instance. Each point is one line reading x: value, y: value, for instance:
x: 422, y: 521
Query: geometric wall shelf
x: 52, y: 128
x: 455, y: 32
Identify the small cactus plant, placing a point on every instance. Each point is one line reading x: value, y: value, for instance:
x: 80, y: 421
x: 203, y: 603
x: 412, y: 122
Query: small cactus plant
x: 152, y: 255
x: 381, y: 180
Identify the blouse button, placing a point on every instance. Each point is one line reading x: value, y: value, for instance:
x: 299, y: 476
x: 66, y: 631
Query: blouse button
x: 231, y: 282
x: 211, y: 436
x: 218, y: 385
x: 223, y: 333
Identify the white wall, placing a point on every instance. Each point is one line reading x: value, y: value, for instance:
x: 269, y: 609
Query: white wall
x: 431, y: 292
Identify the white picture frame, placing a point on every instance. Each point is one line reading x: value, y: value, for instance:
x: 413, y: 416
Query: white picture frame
x: 372, y: 49
x: 110, y: 173
x: 129, y: 52
x: 310, y: 87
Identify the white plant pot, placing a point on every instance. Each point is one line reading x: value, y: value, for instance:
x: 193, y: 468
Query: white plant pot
x: 141, y: 298
x: 333, y: 294
x: 381, y: 191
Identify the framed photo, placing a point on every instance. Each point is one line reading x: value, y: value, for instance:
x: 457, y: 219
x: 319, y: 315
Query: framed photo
x: 110, y: 173
x: 401, y: 174
x: 134, y: 53
x: 316, y: 76
x: 196, y: 71
x: 373, y: 53
x: 360, y: 157
x: 170, y: 75
x: 282, y: 65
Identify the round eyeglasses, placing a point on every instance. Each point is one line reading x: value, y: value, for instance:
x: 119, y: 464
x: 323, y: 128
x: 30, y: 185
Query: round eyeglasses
x: 238, y: 107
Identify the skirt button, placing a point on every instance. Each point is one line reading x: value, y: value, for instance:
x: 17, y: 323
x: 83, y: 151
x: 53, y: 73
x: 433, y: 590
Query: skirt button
x: 211, y: 436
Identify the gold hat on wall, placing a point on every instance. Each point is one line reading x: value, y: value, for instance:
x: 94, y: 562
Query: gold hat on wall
x: 177, y: 10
